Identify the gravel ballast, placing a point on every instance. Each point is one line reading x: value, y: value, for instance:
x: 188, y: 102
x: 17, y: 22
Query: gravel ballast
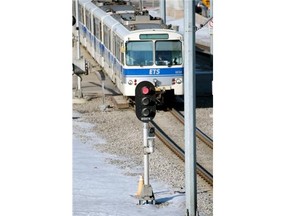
x: 123, y: 135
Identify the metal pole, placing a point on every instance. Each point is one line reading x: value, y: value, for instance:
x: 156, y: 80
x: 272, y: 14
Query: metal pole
x: 147, y: 194
x: 163, y: 10
x: 211, y: 8
x: 211, y: 28
x: 77, y: 30
x: 141, y: 5
x: 78, y: 48
x: 103, y: 92
x: 189, y: 108
x: 146, y: 155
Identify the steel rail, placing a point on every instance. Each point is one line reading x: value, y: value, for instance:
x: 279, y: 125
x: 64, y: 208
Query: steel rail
x: 207, y: 176
x: 202, y: 136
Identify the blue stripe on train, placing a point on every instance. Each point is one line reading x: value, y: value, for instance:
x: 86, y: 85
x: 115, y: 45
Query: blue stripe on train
x: 153, y: 71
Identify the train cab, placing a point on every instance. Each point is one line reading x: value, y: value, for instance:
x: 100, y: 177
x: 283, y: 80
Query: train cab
x: 156, y: 57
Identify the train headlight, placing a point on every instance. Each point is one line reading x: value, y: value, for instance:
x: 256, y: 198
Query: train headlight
x: 130, y: 82
x: 178, y: 81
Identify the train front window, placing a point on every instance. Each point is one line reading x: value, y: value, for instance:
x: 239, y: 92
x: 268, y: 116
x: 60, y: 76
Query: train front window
x: 168, y: 53
x: 139, y: 53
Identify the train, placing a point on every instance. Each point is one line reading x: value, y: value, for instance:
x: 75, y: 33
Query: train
x: 131, y: 45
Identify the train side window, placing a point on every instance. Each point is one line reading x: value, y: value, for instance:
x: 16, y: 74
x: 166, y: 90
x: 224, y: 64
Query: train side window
x: 117, y: 47
x: 107, y: 33
x: 100, y: 31
x: 82, y: 15
x: 88, y: 22
x: 94, y: 26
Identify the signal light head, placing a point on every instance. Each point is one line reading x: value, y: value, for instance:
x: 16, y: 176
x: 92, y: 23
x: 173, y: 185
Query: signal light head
x: 145, y: 90
x: 145, y: 101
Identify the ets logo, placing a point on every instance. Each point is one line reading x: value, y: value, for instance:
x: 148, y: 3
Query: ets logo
x: 154, y: 71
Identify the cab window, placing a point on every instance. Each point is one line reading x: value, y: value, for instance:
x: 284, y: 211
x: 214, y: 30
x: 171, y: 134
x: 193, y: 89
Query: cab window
x: 168, y: 53
x: 139, y: 53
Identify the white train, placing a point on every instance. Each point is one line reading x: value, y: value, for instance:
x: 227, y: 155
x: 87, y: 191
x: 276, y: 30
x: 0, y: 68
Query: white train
x: 131, y: 45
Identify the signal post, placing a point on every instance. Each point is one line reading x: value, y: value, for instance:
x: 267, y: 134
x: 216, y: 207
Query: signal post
x: 145, y: 101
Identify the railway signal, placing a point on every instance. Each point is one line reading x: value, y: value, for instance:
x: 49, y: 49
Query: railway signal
x: 145, y: 101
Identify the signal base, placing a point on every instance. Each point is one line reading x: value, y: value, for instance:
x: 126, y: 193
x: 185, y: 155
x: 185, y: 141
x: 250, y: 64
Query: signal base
x: 147, y: 195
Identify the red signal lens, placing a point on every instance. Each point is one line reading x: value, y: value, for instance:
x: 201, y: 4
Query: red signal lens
x: 145, y: 90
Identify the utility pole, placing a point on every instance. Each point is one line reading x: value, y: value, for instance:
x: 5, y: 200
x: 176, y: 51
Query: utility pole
x: 79, y: 90
x: 141, y: 5
x: 189, y: 108
x: 77, y: 30
x: 163, y: 10
x: 211, y: 27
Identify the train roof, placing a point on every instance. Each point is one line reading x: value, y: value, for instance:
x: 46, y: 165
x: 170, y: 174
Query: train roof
x: 118, y: 9
x: 129, y: 16
x: 89, y: 6
x: 82, y: 2
x: 132, y: 19
x: 121, y: 31
x: 110, y: 21
x: 99, y: 13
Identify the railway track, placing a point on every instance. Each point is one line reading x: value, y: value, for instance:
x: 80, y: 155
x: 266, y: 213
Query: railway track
x: 202, y: 136
x: 176, y: 149
x: 201, y: 171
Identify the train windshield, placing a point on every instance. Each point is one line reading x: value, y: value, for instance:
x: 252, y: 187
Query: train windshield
x: 139, y: 53
x: 168, y: 53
